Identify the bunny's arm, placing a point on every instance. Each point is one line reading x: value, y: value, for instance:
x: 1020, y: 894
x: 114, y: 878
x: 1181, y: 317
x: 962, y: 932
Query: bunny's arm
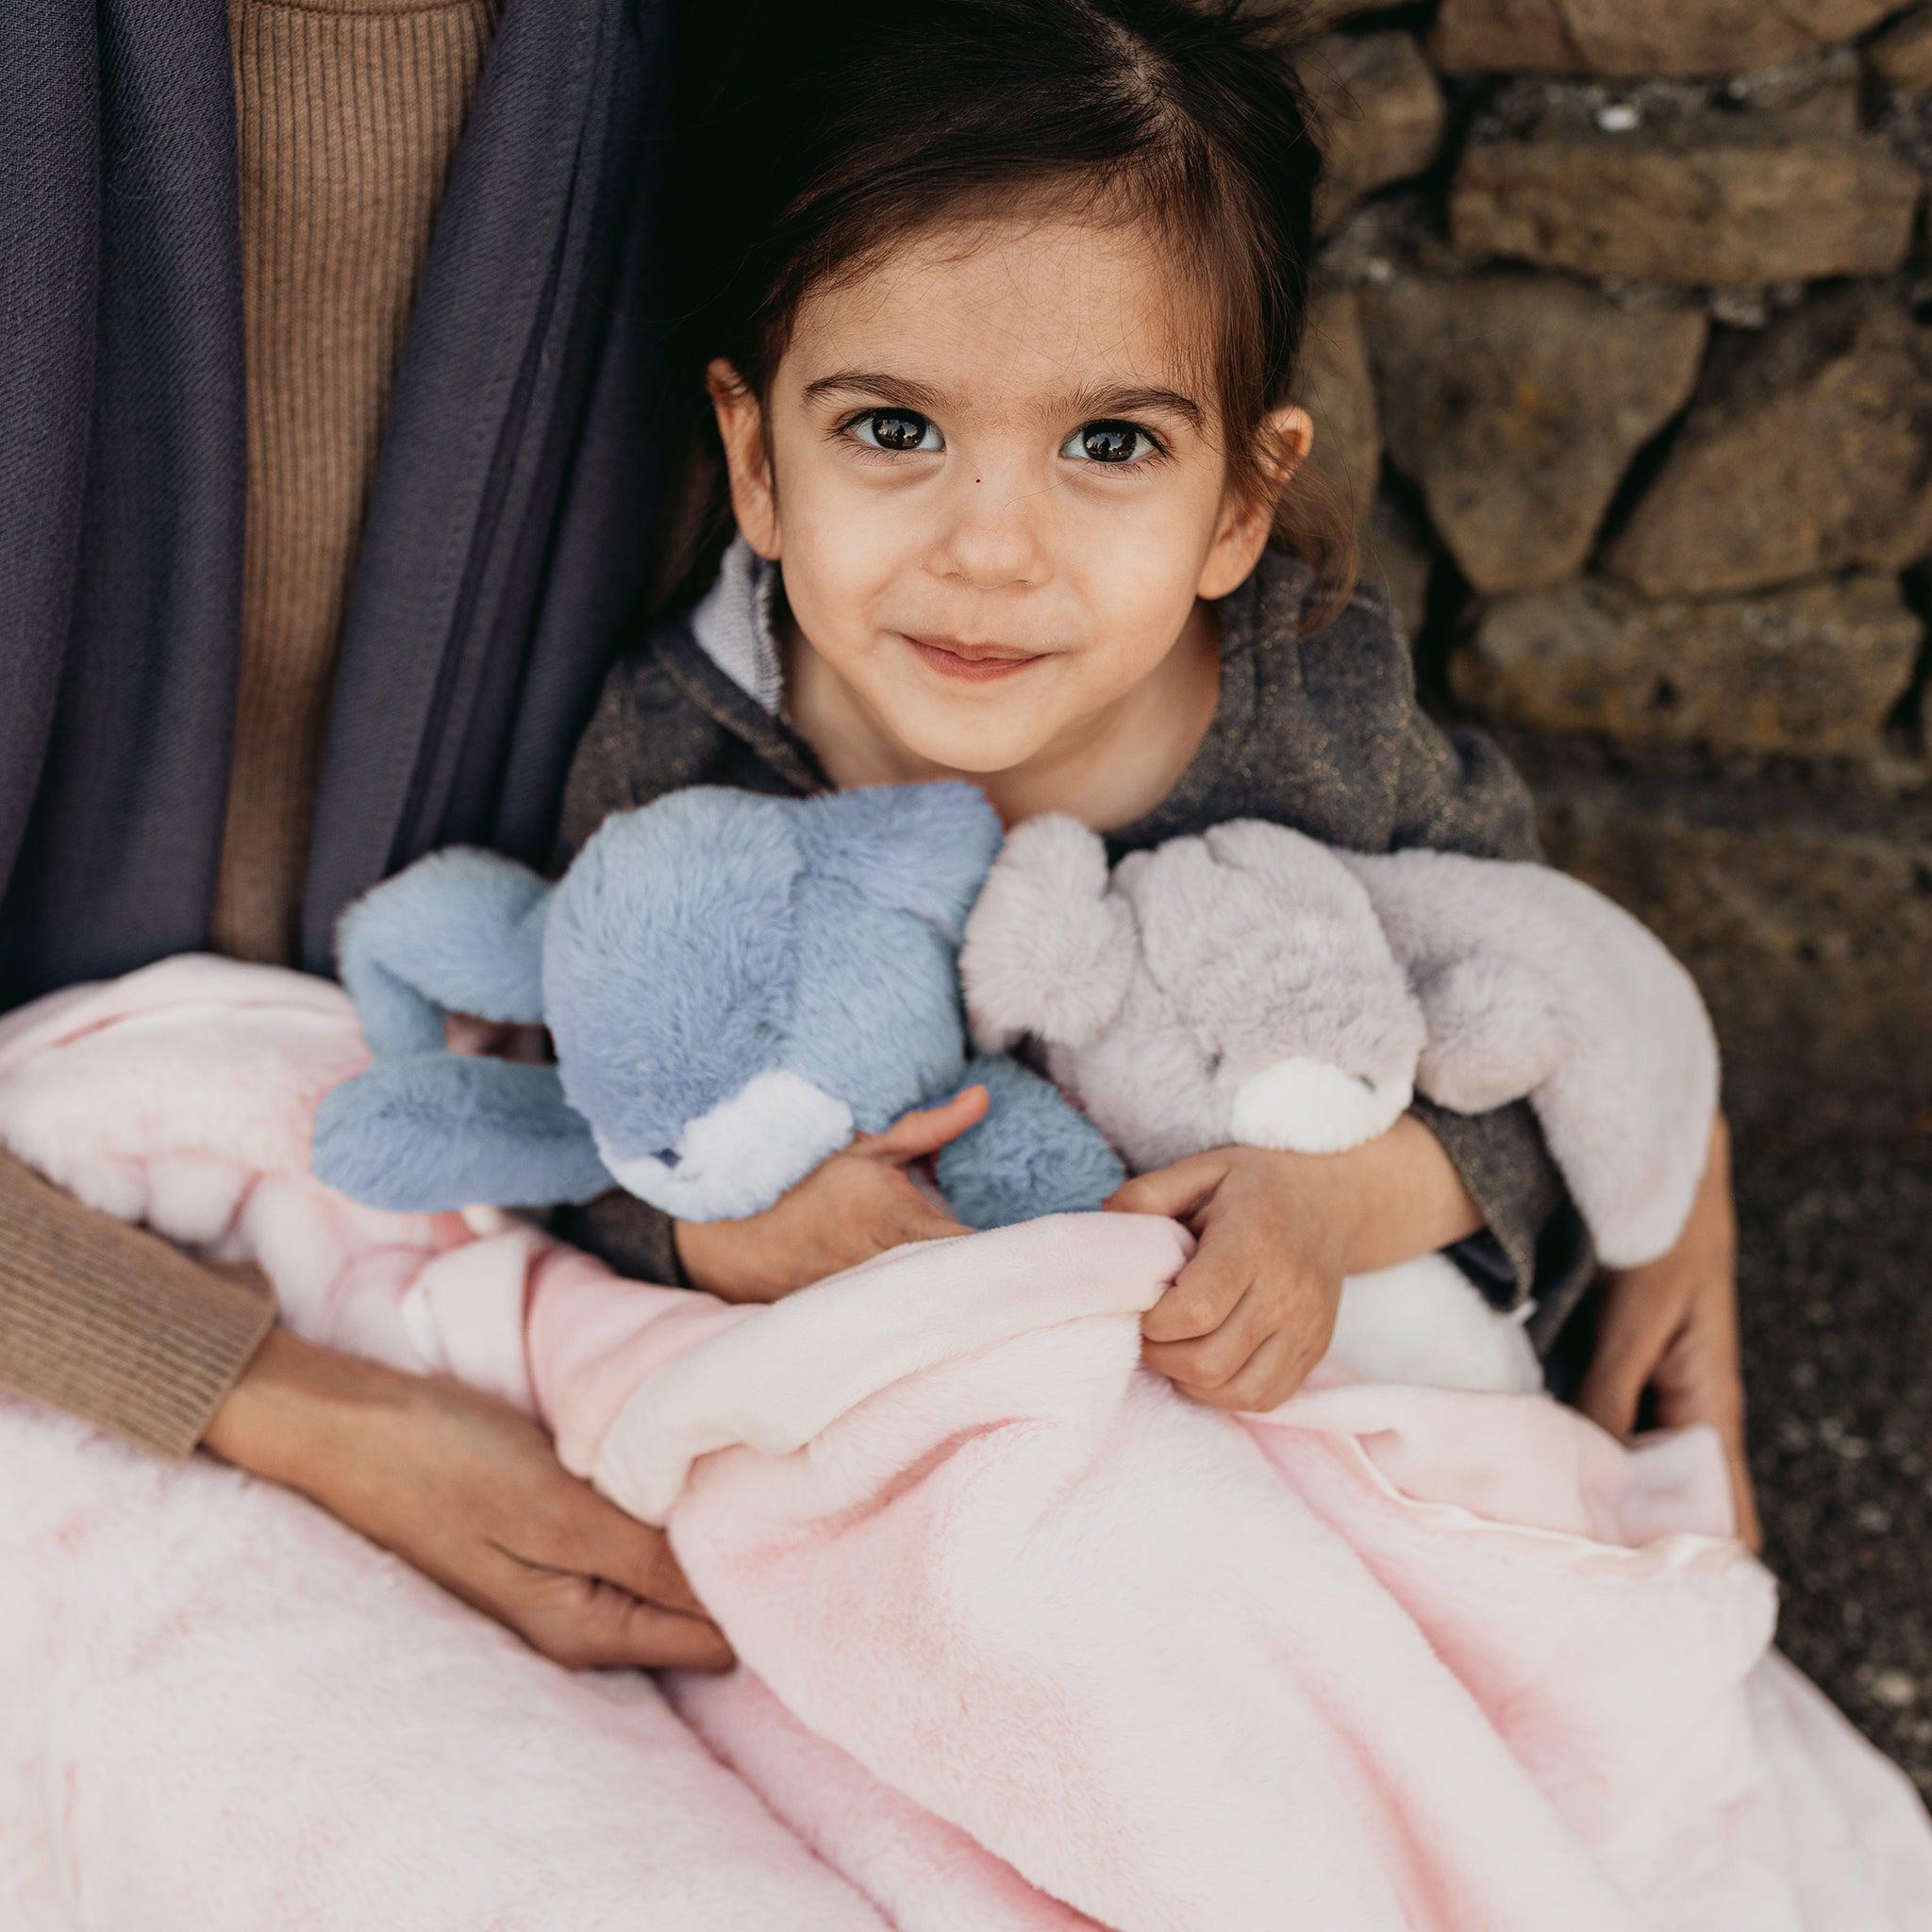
x: 1034, y: 1153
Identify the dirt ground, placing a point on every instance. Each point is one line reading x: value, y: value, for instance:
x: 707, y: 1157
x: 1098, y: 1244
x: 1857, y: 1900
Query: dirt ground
x: 1836, y: 1286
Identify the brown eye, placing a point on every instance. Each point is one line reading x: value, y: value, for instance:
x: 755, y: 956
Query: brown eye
x: 1108, y: 442
x: 896, y: 430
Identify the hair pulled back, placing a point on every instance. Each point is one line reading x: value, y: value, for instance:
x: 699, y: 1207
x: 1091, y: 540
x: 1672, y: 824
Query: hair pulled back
x: 834, y: 134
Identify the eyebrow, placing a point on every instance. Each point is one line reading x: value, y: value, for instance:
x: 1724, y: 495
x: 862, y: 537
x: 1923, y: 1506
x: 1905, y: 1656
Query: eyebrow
x: 1090, y: 405
x: 1153, y: 399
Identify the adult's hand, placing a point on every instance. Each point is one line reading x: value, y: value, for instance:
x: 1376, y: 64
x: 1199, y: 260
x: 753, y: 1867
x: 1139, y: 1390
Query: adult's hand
x: 1670, y: 1331
x: 471, y: 1492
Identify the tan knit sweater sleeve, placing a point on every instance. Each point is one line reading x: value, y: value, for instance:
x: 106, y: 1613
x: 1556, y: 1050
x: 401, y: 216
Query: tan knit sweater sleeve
x: 111, y: 1323
x: 348, y: 115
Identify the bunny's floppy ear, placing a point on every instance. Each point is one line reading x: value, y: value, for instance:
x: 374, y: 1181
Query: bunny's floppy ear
x: 1049, y: 951
x: 922, y: 848
x: 424, y: 1130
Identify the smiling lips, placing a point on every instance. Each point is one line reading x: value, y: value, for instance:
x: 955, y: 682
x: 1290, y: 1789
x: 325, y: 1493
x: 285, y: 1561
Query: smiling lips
x: 971, y: 663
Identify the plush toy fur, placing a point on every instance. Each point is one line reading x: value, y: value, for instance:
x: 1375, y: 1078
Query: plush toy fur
x: 1534, y: 987
x: 1233, y: 986
x: 735, y: 985
x: 1252, y: 986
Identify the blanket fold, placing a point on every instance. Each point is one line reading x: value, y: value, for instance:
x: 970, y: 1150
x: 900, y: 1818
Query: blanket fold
x: 1030, y: 1641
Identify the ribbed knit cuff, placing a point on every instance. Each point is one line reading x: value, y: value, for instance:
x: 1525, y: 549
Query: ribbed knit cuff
x: 113, y: 1325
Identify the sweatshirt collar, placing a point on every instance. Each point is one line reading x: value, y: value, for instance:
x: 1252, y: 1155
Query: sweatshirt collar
x: 735, y: 628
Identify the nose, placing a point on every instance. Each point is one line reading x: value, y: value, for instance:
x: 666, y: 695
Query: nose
x: 993, y: 538
x: 668, y: 1156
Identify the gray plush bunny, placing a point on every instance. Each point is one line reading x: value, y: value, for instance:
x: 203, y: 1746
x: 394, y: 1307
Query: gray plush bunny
x: 1254, y: 986
x: 1251, y: 985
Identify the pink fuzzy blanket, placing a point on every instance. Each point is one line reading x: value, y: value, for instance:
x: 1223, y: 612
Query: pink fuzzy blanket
x: 1029, y: 1641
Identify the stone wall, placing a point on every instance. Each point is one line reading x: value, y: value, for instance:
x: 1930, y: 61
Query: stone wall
x: 1624, y: 352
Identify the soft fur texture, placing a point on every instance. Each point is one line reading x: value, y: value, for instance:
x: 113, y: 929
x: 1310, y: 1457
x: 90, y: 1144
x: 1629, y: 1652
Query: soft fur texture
x: 1167, y: 993
x: 1030, y: 1641
x: 734, y: 983
x: 1231, y: 988
x: 224, y: 1712
x: 1255, y: 986
x: 1532, y: 985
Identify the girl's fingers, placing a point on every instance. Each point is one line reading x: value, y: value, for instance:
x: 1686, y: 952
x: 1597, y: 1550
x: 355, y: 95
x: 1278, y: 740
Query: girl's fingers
x: 1179, y: 1192
x: 1213, y: 1356
x: 1277, y: 1366
x: 929, y: 1223
x: 1276, y: 1370
x: 912, y: 1214
x: 927, y: 1129
x: 1198, y: 1300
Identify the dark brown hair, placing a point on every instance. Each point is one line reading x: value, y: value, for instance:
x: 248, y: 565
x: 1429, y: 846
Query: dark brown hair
x: 835, y: 133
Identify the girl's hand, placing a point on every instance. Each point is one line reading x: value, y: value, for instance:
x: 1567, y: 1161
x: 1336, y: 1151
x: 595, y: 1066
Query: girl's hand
x: 1669, y: 1329
x: 471, y: 1493
x: 858, y: 1204
x: 1253, y: 1311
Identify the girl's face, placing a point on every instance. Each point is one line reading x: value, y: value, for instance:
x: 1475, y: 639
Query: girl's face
x: 992, y: 468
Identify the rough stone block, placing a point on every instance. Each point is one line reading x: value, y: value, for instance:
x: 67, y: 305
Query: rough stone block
x: 1320, y: 13
x: 1381, y: 113
x: 1631, y: 39
x: 1339, y: 393
x: 1515, y: 403
x: 1809, y: 451
x: 1399, y: 559
x: 1710, y: 199
x: 1807, y: 921
x: 1901, y: 57
x: 1813, y: 670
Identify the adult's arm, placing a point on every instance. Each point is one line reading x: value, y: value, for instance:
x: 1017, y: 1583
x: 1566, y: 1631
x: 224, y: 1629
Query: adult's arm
x: 1669, y: 1331
x: 111, y: 1323
x: 470, y: 1491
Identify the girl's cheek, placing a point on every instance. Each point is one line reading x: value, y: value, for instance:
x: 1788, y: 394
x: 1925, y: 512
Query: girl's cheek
x: 1138, y: 563
x: 840, y: 575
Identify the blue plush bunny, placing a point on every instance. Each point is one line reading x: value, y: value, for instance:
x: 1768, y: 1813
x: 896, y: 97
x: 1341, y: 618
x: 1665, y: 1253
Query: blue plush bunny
x: 734, y: 983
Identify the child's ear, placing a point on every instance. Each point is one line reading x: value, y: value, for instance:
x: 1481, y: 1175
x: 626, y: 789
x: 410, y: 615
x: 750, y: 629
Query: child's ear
x: 747, y: 456
x: 1246, y: 519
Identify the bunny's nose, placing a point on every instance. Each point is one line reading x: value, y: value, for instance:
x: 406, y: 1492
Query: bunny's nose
x: 668, y: 1156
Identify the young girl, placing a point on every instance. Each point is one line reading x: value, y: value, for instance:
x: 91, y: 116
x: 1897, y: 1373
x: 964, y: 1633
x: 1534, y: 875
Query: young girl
x: 999, y: 313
